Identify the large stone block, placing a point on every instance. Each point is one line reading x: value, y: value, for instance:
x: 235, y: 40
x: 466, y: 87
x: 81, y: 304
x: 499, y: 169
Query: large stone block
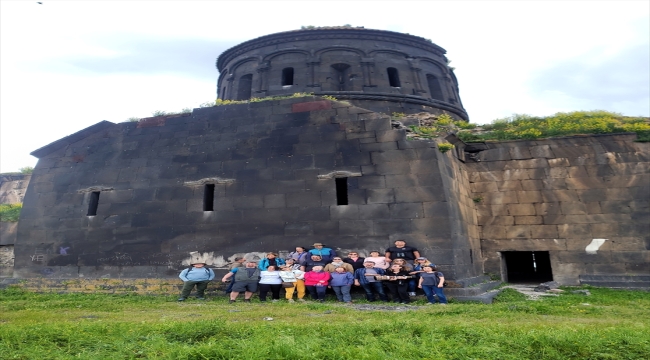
x: 496, y: 220
x: 506, y: 197
x: 419, y: 194
x: 356, y: 227
x: 493, y: 232
x: 406, y: 211
x: 574, y: 231
x: 521, y: 209
x: 528, y: 220
x: 570, y: 208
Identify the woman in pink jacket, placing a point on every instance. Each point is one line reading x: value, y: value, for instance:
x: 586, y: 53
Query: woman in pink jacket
x: 316, y: 282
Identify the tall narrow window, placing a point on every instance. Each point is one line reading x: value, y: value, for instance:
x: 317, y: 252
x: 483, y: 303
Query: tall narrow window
x: 434, y: 87
x: 245, y: 87
x: 223, y: 93
x: 93, y: 203
x: 341, y: 191
x: 287, y: 76
x: 208, y: 197
x: 393, y: 77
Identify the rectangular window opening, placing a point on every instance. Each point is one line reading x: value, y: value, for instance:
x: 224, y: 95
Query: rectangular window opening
x: 208, y: 197
x: 93, y: 204
x: 287, y: 76
x: 341, y: 191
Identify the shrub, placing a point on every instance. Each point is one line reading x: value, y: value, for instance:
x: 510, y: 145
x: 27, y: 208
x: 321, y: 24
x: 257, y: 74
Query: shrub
x: 445, y: 119
x: 444, y: 147
x: 522, y: 126
x: 26, y: 170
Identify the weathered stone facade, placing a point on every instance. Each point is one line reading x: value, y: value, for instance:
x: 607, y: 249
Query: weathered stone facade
x: 559, y: 195
x: 141, y: 200
x: 270, y: 169
x: 383, y: 71
x: 12, y: 191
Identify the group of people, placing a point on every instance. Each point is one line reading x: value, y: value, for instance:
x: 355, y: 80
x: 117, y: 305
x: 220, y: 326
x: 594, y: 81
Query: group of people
x: 401, y: 270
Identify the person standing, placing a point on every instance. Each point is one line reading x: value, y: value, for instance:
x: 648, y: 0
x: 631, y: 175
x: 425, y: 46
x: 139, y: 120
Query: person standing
x: 432, y: 282
x: 295, y: 276
x: 341, y: 283
x: 401, y: 250
x: 196, y: 275
x: 246, y: 280
x: 336, y: 263
x: 270, y: 280
x: 354, y: 260
x: 314, y: 261
x: 379, y: 261
x: 325, y: 253
x: 239, y: 262
x: 271, y: 259
x: 300, y: 255
x: 316, y: 282
x: 365, y: 277
x: 397, y: 283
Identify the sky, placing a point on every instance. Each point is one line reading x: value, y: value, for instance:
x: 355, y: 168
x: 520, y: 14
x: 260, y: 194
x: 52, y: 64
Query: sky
x: 66, y: 65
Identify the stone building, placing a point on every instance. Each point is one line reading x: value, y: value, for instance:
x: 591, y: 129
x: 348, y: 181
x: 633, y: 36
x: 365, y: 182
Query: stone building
x: 383, y: 71
x: 141, y: 200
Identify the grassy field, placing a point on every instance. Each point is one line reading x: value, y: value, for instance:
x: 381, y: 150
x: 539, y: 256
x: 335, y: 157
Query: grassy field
x: 609, y: 324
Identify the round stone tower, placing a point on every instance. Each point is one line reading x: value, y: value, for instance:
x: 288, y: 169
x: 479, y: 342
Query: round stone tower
x: 383, y: 71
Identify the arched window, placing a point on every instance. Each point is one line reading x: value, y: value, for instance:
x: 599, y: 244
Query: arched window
x: 339, y: 79
x: 245, y: 87
x: 393, y: 77
x: 435, y: 90
x: 287, y: 76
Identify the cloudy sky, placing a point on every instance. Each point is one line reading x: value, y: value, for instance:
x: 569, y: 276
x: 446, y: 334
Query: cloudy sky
x: 65, y: 65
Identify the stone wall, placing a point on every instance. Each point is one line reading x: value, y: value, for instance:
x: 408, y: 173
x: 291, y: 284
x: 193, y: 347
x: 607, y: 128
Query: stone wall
x: 558, y: 195
x: 272, y: 166
x: 12, y: 190
x: 13, y: 187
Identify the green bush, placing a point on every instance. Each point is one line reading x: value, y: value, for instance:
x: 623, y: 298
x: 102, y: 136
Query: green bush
x: 26, y: 170
x: 522, y: 126
x: 10, y: 212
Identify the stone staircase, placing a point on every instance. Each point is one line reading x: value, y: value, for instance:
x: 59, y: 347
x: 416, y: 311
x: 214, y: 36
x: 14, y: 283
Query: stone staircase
x: 617, y: 281
x: 479, y: 288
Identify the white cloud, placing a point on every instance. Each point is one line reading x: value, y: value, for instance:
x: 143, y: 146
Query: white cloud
x: 67, y: 65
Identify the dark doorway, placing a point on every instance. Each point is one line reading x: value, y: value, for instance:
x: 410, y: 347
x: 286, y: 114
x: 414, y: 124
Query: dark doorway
x: 527, y: 266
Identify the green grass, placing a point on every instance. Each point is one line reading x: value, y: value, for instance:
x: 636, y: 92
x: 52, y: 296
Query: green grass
x: 614, y: 325
x: 521, y: 126
x: 10, y: 212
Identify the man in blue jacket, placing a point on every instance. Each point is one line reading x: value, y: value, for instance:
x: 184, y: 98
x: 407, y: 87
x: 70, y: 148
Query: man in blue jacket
x: 365, y: 277
x: 325, y: 253
x: 199, y: 275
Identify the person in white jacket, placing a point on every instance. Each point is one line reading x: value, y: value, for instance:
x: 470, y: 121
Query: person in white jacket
x: 295, y: 276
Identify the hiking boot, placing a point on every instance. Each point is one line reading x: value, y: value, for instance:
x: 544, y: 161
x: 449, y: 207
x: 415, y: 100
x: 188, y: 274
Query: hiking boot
x: 181, y: 299
x: 411, y: 294
x: 274, y: 300
x: 301, y: 300
x: 232, y: 301
x: 291, y: 301
x: 247, y: 300
x: 200, y: 298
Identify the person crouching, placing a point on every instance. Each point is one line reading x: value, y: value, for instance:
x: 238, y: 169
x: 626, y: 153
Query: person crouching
x: 196, y: 275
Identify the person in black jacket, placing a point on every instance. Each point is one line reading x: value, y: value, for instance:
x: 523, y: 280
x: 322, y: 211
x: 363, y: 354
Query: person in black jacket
x: 397, y: 283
